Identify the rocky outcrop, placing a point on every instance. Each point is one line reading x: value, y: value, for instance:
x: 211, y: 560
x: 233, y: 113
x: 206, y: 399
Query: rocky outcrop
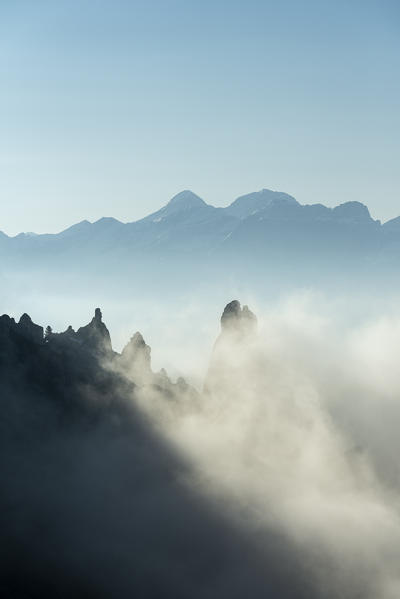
x: 237, y: 320
x: 94, y: 502
x: 29, y: 329
x: 135, y: 363
x: 6, y: 323
x: 234, y: 344
x: 86, y: 354
x: 25, y: 329
x: 95, y: 335
x: 135, y: 359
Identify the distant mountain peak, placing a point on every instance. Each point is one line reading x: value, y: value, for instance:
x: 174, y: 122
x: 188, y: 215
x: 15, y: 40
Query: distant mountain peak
x: 256, y: 201
x: 352, y: 211
x: 78, y: 227
x: 26, y: 234
x: 183, y: 202
x: 187, y: 199
x: 107, y: 222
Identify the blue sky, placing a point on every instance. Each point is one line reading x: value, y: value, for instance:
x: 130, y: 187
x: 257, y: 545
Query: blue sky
x: 109, y: 108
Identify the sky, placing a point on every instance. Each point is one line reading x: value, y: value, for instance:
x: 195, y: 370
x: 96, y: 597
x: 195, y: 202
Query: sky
x: 111, y: 107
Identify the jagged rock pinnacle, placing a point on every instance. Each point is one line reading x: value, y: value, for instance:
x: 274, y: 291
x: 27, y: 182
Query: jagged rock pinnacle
x: 237, y: 319
x: 29, y: 329
x: 95, y: 335
x: 135, y: 359
x: 238, y: 332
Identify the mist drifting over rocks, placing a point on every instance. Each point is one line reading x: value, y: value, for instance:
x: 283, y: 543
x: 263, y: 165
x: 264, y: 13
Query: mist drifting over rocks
x: 275, y: 478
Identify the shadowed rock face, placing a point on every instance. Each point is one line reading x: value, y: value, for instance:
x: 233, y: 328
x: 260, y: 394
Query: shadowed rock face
x: 25, y: 329
x: 29, y: 329
x: 95, y: 334
x: 238, y: 333
x: 238, y: 320
x: 92, y: 502
x: 135, y: 359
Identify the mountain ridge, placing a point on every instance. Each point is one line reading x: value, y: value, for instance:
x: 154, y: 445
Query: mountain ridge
x: 261, y: 236
x: 188, y: 201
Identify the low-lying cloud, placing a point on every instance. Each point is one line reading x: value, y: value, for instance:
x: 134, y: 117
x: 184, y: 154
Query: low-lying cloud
x: 298, y: 432
x: 278, y: 477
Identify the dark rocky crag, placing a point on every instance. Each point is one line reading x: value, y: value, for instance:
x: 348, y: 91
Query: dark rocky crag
x: 92, y: 502
x: 237, y: 320
x: 237, y: 337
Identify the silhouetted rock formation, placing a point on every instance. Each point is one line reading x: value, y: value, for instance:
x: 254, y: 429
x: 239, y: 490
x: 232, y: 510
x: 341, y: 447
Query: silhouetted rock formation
x: 24, y: 328
x: 86, y: 355
x: 135, y: 360
x: 92, y: 504
x: 238, y: 332
x: 29, y: 329
x: 14, y: 336
x: 95, y: 335
x: 6, y: 325
x: 135, y: 364
x: 238, y: 320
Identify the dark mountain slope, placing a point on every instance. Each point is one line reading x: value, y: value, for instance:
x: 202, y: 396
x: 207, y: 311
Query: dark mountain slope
x: 93, y: 504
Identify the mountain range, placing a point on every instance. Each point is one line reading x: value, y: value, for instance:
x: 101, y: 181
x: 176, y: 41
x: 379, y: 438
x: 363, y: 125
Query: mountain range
x: 187, y: 210
x: 261, y: 232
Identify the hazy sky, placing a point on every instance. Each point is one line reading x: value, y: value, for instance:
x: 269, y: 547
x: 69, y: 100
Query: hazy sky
x: 110, y: 107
